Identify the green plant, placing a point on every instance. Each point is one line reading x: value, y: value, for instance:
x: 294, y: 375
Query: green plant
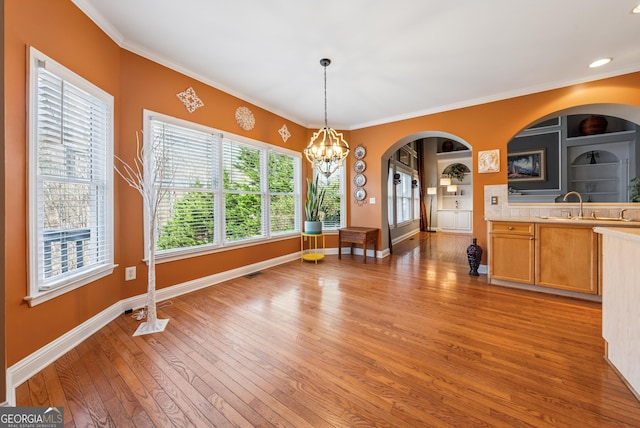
x: 635, y: 189
x: 315, y: 199
x: 457, y: 171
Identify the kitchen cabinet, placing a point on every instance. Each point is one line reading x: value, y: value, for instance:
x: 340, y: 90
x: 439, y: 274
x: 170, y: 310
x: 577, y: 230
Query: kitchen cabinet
x: 558, y: 256
x: 511, y: 252
x: 454, y: 220
x: 567, y: 257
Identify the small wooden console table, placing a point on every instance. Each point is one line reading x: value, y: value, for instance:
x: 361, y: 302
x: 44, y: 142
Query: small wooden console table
x: 358, y: 235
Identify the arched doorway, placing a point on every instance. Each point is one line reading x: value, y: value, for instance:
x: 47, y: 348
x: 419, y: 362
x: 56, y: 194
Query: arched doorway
x: 431, y: 141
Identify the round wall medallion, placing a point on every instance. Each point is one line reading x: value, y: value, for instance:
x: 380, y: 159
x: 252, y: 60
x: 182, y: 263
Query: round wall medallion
x: 245, y: 118
x: 359, y: 180
x: 360, y: 194
x: 359, y: 166
x: 359, y: 152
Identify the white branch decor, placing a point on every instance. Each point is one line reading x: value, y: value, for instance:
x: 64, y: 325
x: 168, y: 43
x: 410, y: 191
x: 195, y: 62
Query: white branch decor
x: 190, y: 99
x: 145, y: 175
x: 284, y: 133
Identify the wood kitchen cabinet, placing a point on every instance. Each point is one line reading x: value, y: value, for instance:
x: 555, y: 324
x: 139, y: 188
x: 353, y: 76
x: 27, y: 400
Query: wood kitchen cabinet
x: 567, y: 257
x: 511, y: 252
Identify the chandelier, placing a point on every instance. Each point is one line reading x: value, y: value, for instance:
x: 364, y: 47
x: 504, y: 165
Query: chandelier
x: 327, y: 148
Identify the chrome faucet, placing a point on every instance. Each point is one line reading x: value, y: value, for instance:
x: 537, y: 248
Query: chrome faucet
x: 573, y: 192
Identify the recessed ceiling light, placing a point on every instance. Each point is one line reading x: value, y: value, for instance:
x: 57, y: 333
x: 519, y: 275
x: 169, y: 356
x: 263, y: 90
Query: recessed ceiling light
x: 600, y: 62
x: 636, y: 9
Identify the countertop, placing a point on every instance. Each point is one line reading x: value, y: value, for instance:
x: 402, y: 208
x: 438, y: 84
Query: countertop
x: 620, y: 232
x: 587, y: 221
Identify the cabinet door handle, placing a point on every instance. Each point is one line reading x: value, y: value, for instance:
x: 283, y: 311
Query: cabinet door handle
x: 510, y: 228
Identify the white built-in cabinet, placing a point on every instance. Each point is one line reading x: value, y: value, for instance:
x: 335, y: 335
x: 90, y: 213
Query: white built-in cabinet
x: 455, y: 209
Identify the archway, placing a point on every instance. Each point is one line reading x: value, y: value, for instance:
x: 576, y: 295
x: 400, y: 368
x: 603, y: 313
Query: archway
x: 384, y: 176
x: 565, y: 172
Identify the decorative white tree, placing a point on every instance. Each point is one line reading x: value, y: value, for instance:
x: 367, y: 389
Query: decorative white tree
x: 146, y: 175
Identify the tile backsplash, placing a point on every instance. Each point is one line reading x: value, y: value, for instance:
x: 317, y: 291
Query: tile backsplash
x: 503, y: 209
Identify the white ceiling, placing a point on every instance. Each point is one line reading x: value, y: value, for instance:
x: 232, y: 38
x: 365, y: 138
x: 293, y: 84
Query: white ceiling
x: 391, y: 59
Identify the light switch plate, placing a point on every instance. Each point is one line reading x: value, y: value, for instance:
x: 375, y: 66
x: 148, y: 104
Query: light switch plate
x: 130, y: 273
x: 494, y: 200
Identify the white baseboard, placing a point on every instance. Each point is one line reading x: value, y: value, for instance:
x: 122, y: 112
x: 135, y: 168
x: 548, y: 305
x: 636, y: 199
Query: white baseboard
x: 26, y: 368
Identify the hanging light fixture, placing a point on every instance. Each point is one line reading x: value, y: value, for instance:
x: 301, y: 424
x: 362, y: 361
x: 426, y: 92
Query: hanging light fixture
x: 327, y: 148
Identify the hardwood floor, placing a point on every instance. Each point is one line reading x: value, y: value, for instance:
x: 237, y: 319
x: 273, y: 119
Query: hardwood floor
x: 407, y: 341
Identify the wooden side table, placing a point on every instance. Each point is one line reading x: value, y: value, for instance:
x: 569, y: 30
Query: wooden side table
x: 315, y: 253
x: 360, y: 236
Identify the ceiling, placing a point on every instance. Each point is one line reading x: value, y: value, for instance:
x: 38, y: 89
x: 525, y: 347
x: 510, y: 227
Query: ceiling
x: 391, y: 59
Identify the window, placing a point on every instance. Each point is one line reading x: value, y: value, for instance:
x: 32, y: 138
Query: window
x: 187, y: 161
x: 221, y: 189
x: 334, y: 199
x: 404, y: 197
x: 70, y: 183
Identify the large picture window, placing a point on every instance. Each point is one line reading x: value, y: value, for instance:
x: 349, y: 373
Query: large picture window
x: 70, y: 180
x: 220, y: 189
x: 334, y: 199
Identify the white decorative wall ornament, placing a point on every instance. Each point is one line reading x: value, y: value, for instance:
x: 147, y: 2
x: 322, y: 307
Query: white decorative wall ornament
x: 190, y: 99
x: 245, y: 118
x: 284, y: 133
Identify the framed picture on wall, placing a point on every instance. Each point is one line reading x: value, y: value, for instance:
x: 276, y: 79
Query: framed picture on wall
x: 527, y: 166
x: 489, y: 161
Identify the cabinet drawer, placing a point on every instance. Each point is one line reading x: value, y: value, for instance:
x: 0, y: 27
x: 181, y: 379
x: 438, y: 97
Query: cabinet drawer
x: 515, y: 228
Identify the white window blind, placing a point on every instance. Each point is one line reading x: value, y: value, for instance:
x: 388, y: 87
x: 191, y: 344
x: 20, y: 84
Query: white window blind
x: 186, y: 161
x: 284, y: 202
x: 403, y: 198
x: 220, y: 190
x: 243, y: 167
x: 334, y: 199
x: 71, y: 204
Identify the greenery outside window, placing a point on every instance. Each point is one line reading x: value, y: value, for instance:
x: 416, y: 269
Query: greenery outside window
x: 222, y: 189
x: 334, y: 199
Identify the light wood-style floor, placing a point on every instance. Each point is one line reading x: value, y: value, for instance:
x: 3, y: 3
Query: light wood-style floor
x: 408, y: 341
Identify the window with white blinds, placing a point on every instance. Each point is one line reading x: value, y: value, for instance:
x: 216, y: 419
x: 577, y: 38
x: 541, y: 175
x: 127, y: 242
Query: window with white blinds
x: 334, y: 199
x: 220, y: 190
x: 404, y: 197
x: 71, y: 173
x: 186, y: 160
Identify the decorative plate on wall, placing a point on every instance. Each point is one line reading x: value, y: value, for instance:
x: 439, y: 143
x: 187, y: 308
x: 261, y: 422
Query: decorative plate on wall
x: 359, y: 152
x: 359, y: 180
x: 359, y: 166
x: 360, y: 194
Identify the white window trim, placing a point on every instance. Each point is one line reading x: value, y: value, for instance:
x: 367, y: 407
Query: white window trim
x: 184, y: 253
x: 36, y: 296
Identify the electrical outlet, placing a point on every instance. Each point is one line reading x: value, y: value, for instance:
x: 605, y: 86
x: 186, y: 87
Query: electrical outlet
x: 130, y: 273
x: 494, y: 200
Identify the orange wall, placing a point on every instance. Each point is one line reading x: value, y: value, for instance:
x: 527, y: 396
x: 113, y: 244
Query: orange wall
x: 487, y: 126
x: 138, y: 83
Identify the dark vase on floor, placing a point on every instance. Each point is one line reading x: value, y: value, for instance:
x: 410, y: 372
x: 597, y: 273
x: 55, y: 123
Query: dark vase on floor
x: 474, y: 255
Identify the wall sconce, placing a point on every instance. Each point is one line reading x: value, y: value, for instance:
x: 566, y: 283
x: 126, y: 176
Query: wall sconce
x: 452, y: 188
x: 445, y: 181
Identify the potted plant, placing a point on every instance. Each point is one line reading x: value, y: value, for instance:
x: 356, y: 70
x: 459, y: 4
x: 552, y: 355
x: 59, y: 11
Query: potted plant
x: 635, y: 189
x: 313, y: 207
x: 457, y: 171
